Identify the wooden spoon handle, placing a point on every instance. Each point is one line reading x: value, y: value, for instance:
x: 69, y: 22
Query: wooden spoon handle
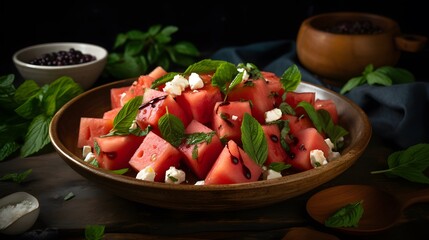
x: 410, y: 198
x: 410, y: 42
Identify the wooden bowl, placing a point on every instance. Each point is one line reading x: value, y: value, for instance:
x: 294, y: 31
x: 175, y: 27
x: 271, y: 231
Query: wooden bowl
x: 64, y: 127
x: 338, y: 57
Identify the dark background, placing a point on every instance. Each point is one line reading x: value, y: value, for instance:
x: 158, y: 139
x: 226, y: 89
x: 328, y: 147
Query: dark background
x: 210, y: 25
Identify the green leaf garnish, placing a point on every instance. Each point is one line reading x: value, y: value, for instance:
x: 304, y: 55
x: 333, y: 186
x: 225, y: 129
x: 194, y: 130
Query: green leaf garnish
x: 253, y: 138
x: 125, y: 117
x: 69, y: 196
x: 94, y: 232
x: 291, y: 78
x: 136, y: 52
x: 383, y: 76
x: 347, y: 216
x: 16, y: 177
x: 172, y: 129
x: 279, y: 166
x: 409, y: 164
x: 120, y: 171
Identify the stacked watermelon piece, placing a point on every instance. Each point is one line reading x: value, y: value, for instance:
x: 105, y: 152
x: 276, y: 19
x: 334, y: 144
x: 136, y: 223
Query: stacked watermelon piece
x: 220, y: 123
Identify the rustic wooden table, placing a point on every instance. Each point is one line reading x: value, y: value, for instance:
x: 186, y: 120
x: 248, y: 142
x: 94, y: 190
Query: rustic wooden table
x: 52, y: 179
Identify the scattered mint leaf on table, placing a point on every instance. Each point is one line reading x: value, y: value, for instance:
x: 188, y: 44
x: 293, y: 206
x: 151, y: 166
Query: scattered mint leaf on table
x: 347, y: 216
x: 409, y: 164
x: 383, y: 76
x: 16, y: 177
x: 94, y: 232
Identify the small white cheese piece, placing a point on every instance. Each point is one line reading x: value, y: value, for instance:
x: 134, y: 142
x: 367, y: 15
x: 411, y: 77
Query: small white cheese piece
x: 180, y: 81
x: 234, y: 117
x: 86, y: 150
x: 89, y: 157
x: 332, y: 155
x: 133, y: 125
x: 147, y: 173
x: 317, y: 158
x: 174, y: 175
x: 273, y: 115
x: 245, y: 74
x: 195, y: 81
x: 201, y: 182
x: 172, y: 89
x: 271, y: 174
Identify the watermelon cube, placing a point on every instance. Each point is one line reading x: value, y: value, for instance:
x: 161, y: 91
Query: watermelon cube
x: 154, y: 151
x: 206, y: 152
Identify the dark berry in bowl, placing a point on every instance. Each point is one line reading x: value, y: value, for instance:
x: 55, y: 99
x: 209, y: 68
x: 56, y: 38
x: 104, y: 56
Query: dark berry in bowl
x: 63, y: 58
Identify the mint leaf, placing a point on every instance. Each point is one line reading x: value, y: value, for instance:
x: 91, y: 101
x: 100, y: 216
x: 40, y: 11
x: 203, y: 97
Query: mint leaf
x: 409, y: 164
x: 253, y: 138
x: 347, y: 216
x: 69, y: 196
x: 37, y: 136
x: 279, y: 166
x: 312, y: 114
x: 378, y: 78
x: 7, y: 91
x: 16, y: 177
x: 398, y: 75
x: 164, y: 79
x: 126, y: 116
x: 204, y: 66
x: 58, y: 93
x: 352, y: 83
x: 224, y: 74
x: 200, y: 137
x: 27, y: 89
x: 8, y: 149
x: 94, y: 232
x: 291, y: 78
x: 120, y: 171
x: 332, y: 131
x: 172, y: 129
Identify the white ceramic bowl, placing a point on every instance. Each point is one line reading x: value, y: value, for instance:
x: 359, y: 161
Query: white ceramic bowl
x: 85, y: 74
x: 21, y: 217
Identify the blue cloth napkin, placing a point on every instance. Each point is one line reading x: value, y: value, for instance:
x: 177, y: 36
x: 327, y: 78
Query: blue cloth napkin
x: 398, y: 113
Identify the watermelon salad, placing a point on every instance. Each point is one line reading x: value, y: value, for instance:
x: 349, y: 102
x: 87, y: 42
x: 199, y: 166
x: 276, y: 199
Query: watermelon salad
x: 214, y: 123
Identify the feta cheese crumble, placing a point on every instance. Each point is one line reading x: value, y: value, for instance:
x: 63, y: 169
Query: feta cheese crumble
x: 195, y: 81
x: 270, y: 173
x: 174, y: 175
x: 317, y: 158
x: 332, y: 155
x: 176, y: 86
x: 147, y: 173
x: 201, y: 182
x: 273, y: 115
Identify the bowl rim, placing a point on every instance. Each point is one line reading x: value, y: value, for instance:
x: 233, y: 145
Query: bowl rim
x: 16, y: 60
x: 389, y: 21
x: 358, y: 149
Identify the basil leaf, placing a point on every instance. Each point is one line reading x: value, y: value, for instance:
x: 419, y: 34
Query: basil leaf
x: 120, y: 40
x: 253, y: 138
x: 169, y: 30
x: 172, y: 129
x: 120, y: 171
x: 409, y: 164
x: 27, y: 89
x: 133, y: 48
x: 347, y: 216
x: 186, y: 48
x: 333, y: 132
x: 7, y: 92
x: 135, y: 35
x: 291, y: 78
